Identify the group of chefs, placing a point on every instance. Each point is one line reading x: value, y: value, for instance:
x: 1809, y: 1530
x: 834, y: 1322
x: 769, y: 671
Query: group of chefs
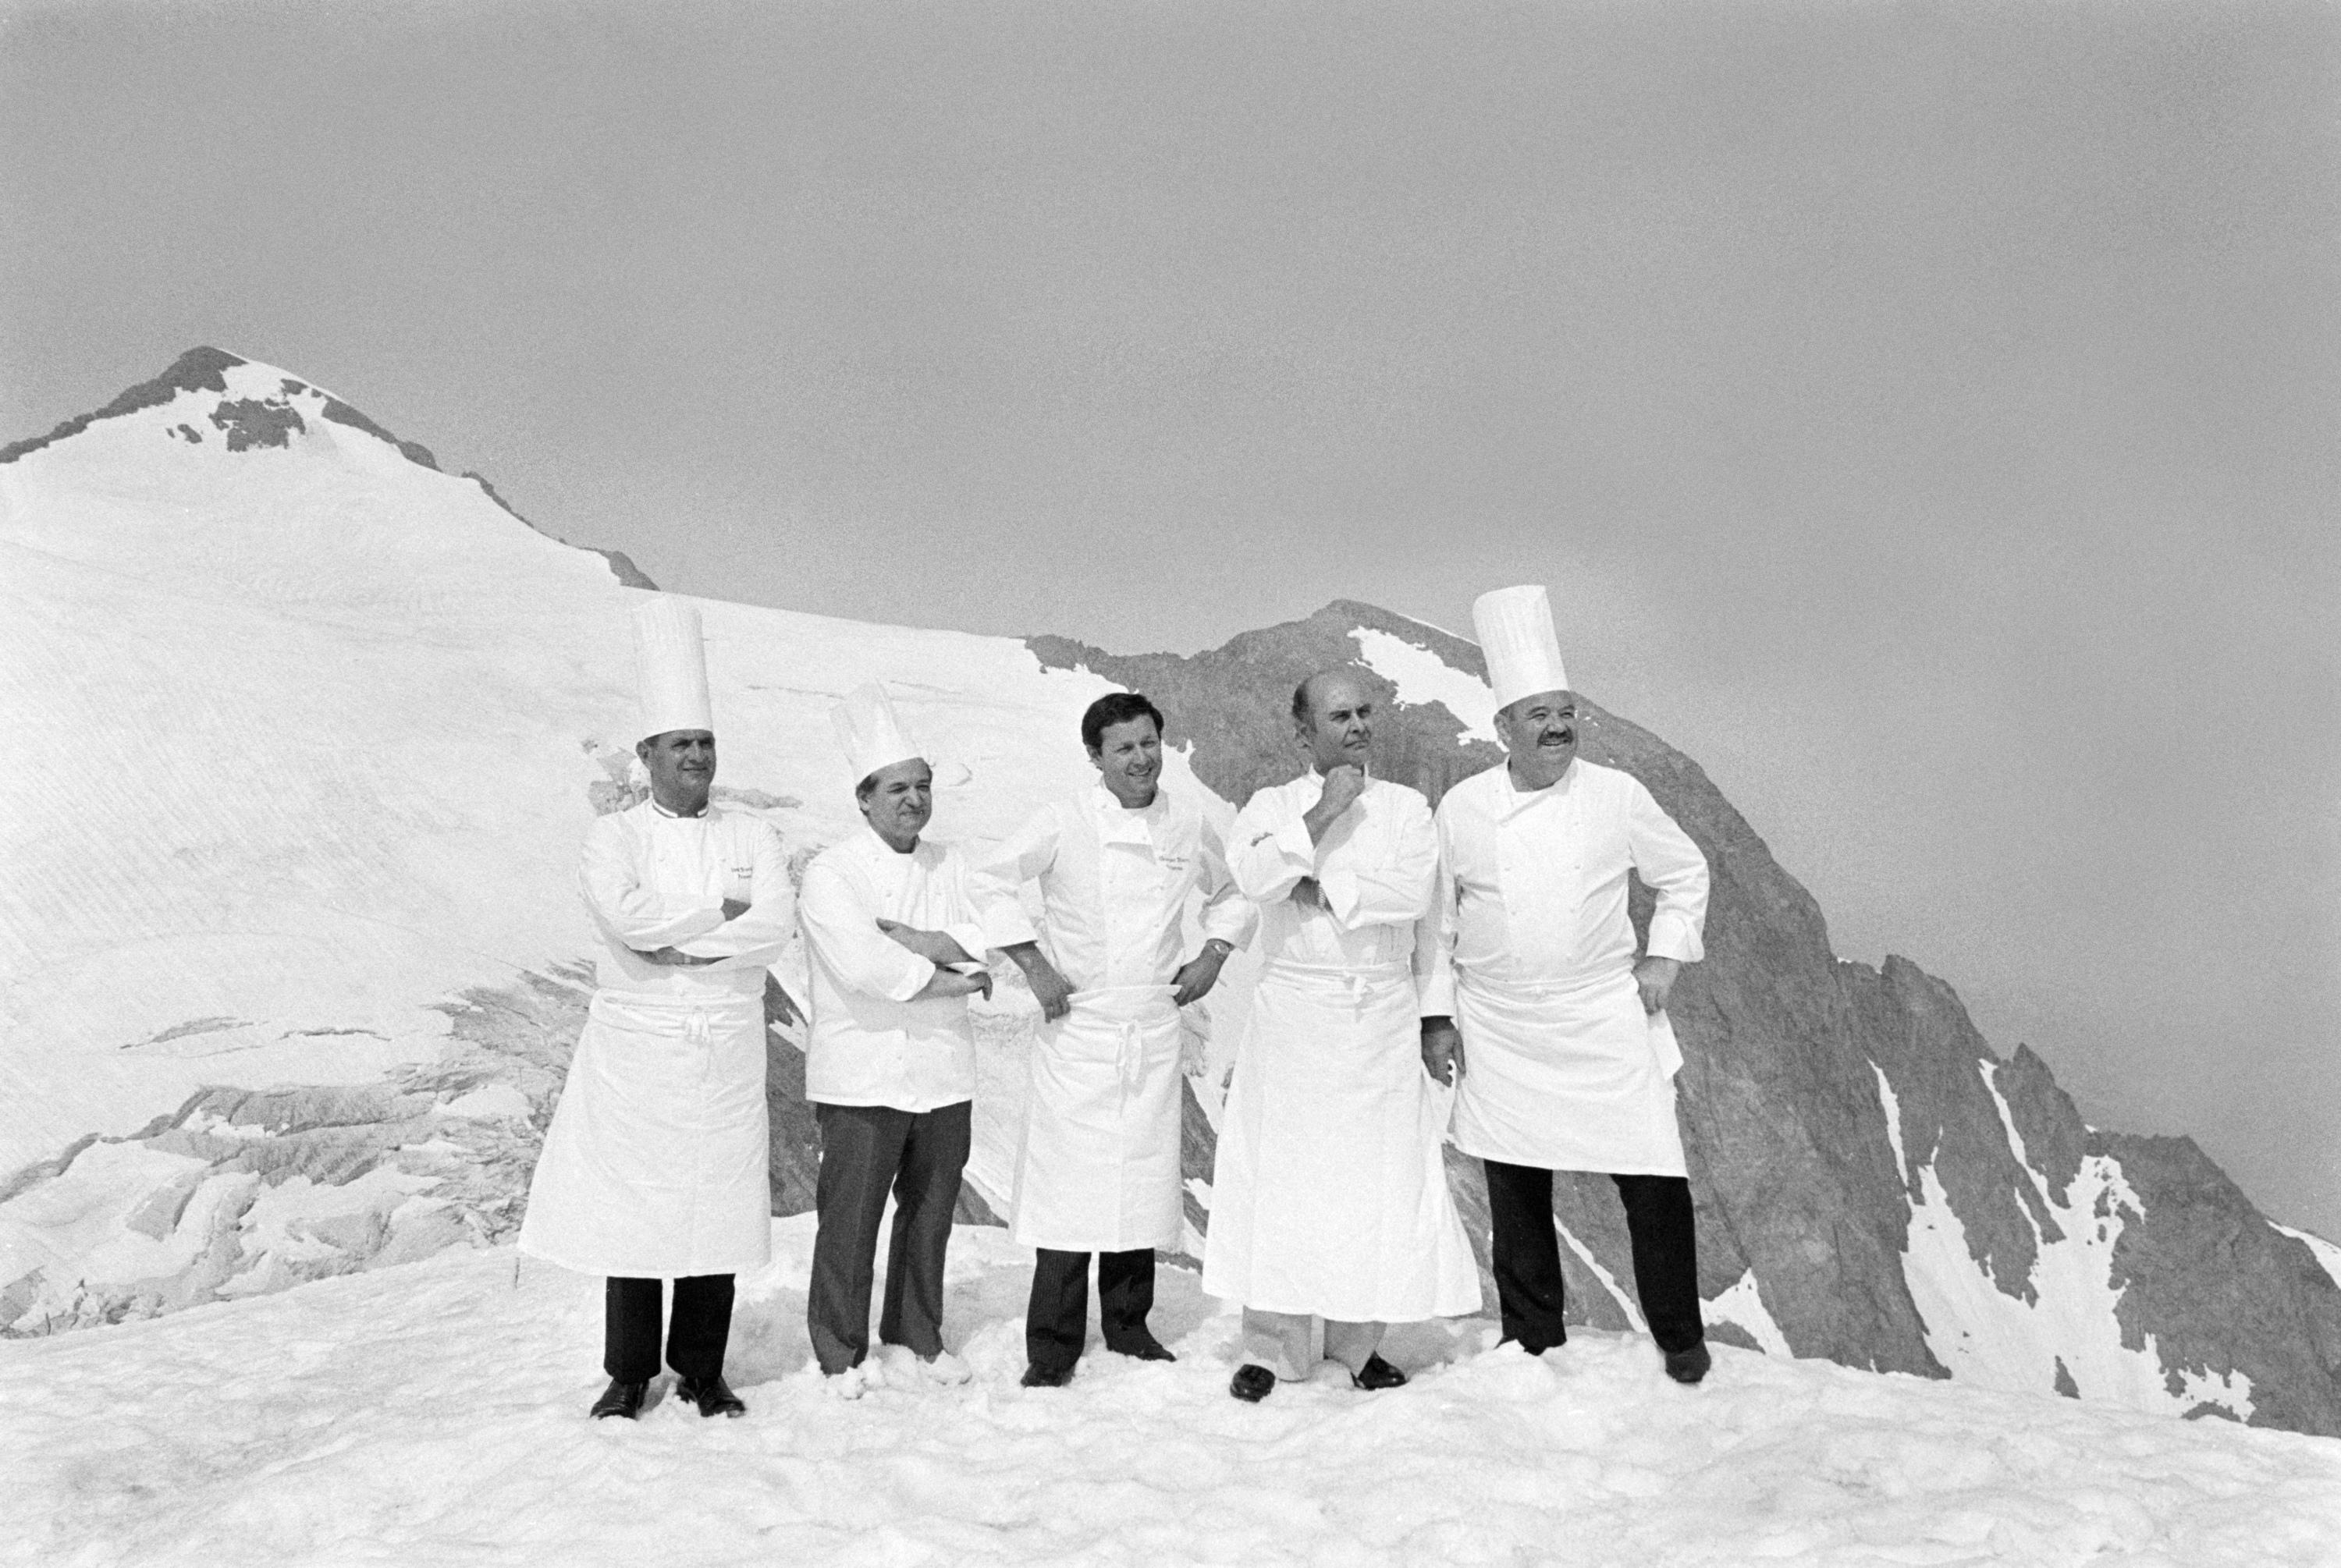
x: 1469, y: 974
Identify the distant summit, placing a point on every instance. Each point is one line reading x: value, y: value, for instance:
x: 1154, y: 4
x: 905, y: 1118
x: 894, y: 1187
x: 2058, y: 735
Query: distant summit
x: 255, y: 407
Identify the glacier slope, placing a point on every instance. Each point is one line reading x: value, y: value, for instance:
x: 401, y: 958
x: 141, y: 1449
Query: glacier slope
x: 328, y: 720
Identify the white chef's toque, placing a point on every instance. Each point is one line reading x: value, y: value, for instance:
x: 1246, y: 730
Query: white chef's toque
x: 872, y: 737
x: 1515, y: 628
x: 670, y: 666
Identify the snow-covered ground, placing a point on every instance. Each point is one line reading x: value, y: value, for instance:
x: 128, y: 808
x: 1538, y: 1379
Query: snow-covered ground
x: 434, y: 1413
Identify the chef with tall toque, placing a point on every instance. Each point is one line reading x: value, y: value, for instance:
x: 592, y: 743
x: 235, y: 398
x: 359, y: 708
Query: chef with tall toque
x: 655, y: 1168
x: 1536, y: 1004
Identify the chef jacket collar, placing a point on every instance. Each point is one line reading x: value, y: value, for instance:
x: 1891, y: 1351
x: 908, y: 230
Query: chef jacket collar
x: 1516, y: 800
x: 874, y: 842
x: 698, y: 816
x: 1118, y: 824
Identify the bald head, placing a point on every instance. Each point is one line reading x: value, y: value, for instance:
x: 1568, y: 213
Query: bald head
x: 1332, y: 718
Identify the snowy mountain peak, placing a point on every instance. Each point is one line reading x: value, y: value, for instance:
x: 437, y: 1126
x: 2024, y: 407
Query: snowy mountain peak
x: 217, y: 426
x: 242, y: 404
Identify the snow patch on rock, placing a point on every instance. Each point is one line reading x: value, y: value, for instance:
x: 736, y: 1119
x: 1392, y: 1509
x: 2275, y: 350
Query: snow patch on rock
x: 1741, y: 1305
x: 1422, y: 678
x: 2069, y: 1336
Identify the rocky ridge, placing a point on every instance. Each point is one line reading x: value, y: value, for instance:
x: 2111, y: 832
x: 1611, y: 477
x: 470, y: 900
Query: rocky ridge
x: 1810, y: 1197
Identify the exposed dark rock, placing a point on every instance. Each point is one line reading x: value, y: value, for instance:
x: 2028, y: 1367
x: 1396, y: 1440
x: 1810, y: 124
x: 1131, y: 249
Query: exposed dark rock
x: 795, y: 1135
x: 197, y: 370
x: 623, y: 569
x: 1234, y: 704
x: 341, y: 413
x: 2220, y: 1289
x: 1919, y: 1035
x: 255, y: 422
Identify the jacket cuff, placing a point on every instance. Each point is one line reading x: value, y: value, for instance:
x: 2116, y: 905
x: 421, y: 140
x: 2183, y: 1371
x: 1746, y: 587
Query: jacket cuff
x: 1672, y: 937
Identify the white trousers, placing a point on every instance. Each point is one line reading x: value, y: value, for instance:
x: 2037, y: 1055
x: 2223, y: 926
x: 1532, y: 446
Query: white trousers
x: 1286, y: 1341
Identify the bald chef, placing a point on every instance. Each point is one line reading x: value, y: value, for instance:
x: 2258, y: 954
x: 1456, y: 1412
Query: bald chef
x: 654, y: 1166
x: 1328, y: 1197
x: 1534, y: 1000
x: 1096, y: 1168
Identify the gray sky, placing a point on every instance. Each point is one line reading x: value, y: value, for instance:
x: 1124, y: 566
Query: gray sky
x: 1926, y: 414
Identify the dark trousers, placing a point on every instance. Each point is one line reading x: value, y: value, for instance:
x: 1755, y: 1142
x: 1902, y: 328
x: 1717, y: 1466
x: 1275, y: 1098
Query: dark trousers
x: 864, y: 1151
x: 695, y: 1335
x: 1527, y: 1255
x: 1057, y: 1318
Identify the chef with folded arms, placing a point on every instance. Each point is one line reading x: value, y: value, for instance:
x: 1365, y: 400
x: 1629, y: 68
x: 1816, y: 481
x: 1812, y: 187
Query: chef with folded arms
x: 1118, y: 865
x: 896, y: 948
x: 655, y: 1168
x: 1535, y: 1004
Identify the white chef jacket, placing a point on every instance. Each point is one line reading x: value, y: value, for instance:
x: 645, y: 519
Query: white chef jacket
x: 1533, y: 954
x: 652, y: 880
x: 1329, y: 1191
x: 1098, y: 1156
x: 868, y: 1042
x: 1376, y: 864
x: 1114, y: 887
x: 655, y: 1162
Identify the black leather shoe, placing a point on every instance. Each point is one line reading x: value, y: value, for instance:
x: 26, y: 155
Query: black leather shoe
x: 1688, y: 1365
x: 1140, y: 1346
x: 713, y: 1396
x: 622, y: 1399
x: 1046, y: 1376
x: 1253, y: 1384
x: 1378, y: 1373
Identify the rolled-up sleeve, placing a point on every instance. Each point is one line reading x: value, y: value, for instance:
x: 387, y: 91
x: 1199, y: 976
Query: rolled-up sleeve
x: 968, y: 925
x: 840, y: 927
x: 629, y: 912
x: 997, y: 881
x: 1666, y: 859
x: 1226, y: 915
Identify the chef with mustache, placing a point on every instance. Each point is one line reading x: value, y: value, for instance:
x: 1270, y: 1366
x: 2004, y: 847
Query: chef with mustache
x: 1535, y: 1004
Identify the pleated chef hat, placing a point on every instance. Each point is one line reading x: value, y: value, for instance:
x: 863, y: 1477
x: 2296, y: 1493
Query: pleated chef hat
x: 1515, y: 628
x: 866, y: 726
x: 670, y: 666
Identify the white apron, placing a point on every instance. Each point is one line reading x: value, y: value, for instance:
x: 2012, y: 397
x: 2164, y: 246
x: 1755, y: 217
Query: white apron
x: 1097, y: 1169
x: 1329, y: 1193
x: 655, y: 1164
x: 1568, y: 1078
